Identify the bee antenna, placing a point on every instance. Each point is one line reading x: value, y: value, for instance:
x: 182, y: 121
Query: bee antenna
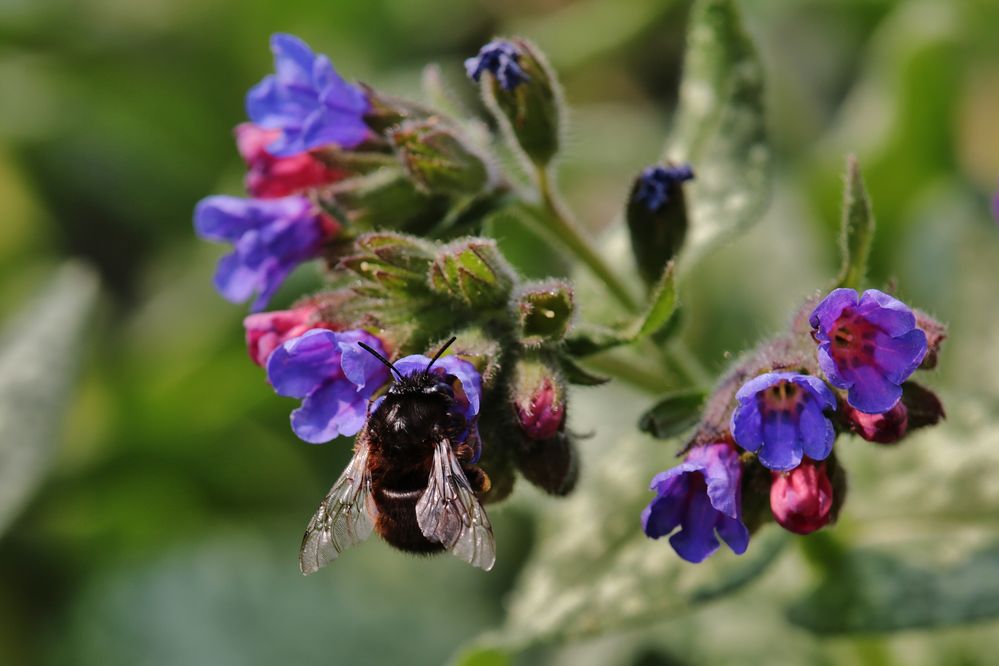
x: 440, y: 352
x: 381, y: 358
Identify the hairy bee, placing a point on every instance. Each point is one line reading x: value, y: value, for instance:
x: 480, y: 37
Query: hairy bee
x: 411, y: 478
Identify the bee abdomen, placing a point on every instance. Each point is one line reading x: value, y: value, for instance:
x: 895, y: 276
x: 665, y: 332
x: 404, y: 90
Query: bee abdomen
x: 397, y: 524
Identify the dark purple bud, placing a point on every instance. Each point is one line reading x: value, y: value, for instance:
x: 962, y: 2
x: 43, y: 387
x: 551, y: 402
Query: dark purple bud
x: 658, y: 184
x: 500, y: 58
x: 802, y: 499
x: 550, y: 464
x: 922, y: 405
x: 885, y: 428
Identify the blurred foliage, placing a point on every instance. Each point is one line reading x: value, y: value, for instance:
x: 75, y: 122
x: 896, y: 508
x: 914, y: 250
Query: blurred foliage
x: 167, y: 530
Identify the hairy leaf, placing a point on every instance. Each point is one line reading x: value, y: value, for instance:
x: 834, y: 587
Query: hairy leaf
x: 720, y: 127
x: 38, y: 359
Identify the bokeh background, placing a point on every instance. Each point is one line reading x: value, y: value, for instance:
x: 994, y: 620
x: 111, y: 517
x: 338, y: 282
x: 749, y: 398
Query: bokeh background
x: 157, y: 516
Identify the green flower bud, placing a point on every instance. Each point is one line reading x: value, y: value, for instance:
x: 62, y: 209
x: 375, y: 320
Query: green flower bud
x: 383, y: 199
x: 392, y: 261
x: 521, y: 90
x: 473, y: 272
x: 543, y: 311
x: 438, y: 159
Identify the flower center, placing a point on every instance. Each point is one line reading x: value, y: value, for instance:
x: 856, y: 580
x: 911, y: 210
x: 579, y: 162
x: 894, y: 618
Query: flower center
x: 852, y: 340
x: 782, y: 397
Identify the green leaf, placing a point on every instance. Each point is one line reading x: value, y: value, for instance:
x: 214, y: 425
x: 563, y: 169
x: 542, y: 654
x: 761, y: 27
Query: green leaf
x: 586, y: 340
x: 857, y: 233
x: 482, y: 656
x: 870, y: 591
x: 38, y: 359
x: 578, y: 375
x: 673, y: 414
x: 720, y: 127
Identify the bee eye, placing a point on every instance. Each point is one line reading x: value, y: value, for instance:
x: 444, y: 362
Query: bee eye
x: 444, y: 389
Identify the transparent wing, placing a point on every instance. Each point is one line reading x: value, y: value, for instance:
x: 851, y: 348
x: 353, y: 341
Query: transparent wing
x: 345, y: 517
x: 450, y: 514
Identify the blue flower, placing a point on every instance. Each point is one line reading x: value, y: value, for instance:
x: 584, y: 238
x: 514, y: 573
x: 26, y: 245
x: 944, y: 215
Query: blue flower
x: 467, y: 394
x: 868, y: 346
x: 270, y: 238
x: 307, y: 100
x: 655, y: 182
x: 701, y: 496
x: 780, y: 416
x: 333, y: 376
x: 500, y: 58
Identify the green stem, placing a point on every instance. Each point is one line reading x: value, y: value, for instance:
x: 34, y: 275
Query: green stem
x: 556, y: 219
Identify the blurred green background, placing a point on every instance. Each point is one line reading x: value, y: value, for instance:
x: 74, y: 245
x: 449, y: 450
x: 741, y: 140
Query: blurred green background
x: 159, y: 519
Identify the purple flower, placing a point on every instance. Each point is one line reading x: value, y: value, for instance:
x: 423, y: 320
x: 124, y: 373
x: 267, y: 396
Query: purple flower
x: 869, y: 347
x: 333, y: 376
x: 702, y: 497
x: 655, y: 182
x: 467, y: 392
x: 270, y: 238
x: 307, y: 100
x: 780, y: 416
x: 500, y: 58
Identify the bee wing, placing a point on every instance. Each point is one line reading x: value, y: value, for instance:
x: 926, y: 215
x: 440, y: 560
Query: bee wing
x: 344, y: 518
x: 450, y: 514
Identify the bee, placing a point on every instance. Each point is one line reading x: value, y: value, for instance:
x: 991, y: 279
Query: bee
x: 411, y: 478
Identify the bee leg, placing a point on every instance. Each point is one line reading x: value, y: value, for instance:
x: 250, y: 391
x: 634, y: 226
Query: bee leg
x: 477, y: 479
x: 464, y: 453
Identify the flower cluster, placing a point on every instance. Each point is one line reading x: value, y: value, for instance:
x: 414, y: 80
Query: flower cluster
x: 785, y: 408
x: 339, y: 172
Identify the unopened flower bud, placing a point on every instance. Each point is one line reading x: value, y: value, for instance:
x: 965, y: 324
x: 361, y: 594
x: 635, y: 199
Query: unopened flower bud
x: 538, y: 393
x: 922, y: 406
x: 383, y: 199
x: 885, y: 428
x: 550, y: 464
x: 801, y: 499
x: 521, y: 90
x: 935, y: 332
x: 438, y: 159
x: 394, y: 261
x: 657, y: 217
x: 266, y: 331
x: 473, y: 272
x: 543, y: 311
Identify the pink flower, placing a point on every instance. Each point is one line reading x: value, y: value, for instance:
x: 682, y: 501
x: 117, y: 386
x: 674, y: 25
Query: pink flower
x: 266, y: 331
x: 271, y: 176
x: 802, y: 498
